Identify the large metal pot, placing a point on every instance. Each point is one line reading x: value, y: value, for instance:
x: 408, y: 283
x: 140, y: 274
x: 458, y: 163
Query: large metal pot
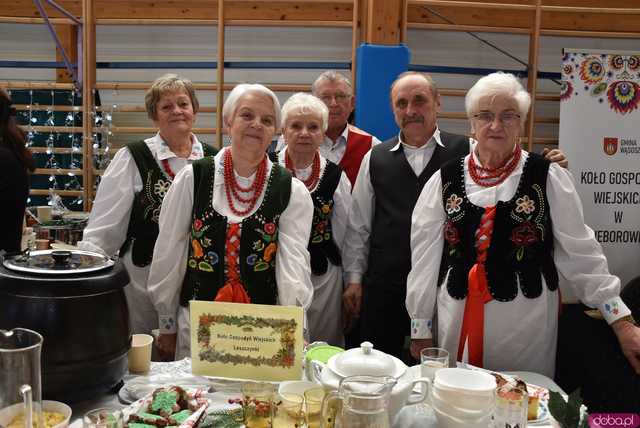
x: 75, y: 299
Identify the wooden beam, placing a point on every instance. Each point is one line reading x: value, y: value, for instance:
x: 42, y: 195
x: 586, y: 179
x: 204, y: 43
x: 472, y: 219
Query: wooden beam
x: 532, y: 79
x: 469, y: 28
x: 576, y: 15
x: 185, y: 10
x: 220, y: 73
x: 582, y: 16
x: 88, y: 82
x: 384, y: 22
x: 45, y: 192
x: 355, y: 39
x: 68, y: 36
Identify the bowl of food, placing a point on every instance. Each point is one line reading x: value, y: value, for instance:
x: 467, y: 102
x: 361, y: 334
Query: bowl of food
x: 55, y: 415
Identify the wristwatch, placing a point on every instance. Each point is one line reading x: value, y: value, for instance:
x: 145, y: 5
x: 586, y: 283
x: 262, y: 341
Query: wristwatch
x: 628, y: 318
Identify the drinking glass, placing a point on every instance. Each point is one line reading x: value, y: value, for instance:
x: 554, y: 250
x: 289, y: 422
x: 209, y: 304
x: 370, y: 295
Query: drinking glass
x: 257, y: 404
x: 20, y: 381
x: 432, y: 360
x: 102, y: 418
x: 511, y: 407
x: 313, y: 406
x: 288, y: 411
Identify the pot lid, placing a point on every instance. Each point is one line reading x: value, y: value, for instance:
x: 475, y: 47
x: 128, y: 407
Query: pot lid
x: 322, y: 353
x: 58, y: 262
x: 366, y: 361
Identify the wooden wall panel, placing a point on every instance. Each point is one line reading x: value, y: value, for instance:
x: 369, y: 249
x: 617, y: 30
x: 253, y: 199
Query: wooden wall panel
x: 196, y: 9
x: 468, y: 15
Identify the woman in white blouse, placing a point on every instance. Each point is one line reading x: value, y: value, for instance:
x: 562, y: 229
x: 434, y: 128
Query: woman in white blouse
x: 125, y: 212
x: 489, y: 235
x: 304, y: 121
x: 233, y: 228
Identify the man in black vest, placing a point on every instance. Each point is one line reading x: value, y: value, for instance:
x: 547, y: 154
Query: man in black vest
x: 377, y: 253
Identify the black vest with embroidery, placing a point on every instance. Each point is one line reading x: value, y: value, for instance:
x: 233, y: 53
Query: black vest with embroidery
x: 322, y: 247
x: 143, y: 222
x: 522, y: 242
x: 396, y: 189
x: 258, y: 239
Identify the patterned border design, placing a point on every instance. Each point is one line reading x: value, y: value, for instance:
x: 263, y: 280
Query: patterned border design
x: 285, y: 357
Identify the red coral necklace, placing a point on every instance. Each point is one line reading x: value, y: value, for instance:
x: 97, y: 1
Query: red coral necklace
x: 167, y: 169
x: 232, y: 187
x: 315, y: 170
x: 489, y: 177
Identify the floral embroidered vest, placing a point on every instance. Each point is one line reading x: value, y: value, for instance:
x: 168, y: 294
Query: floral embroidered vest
x: 522, y: 243
x: 322, y: 247
x: 258, y: 239
x: 143, y: 222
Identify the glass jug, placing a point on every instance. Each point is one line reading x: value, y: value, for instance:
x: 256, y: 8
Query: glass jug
x: 360, y: 402
x: 20, y: 387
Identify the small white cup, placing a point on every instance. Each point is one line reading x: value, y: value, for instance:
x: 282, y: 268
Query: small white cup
x: 140, y: 353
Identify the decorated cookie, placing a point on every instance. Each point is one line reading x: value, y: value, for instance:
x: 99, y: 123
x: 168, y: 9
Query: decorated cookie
x: 165, y: 402
x: 180, y: 417
x: 149, y: 419
x: 139, y: 425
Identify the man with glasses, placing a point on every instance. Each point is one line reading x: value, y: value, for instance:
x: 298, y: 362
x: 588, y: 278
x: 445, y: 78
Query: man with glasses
x: 377, y: 253
x: 344, y: 144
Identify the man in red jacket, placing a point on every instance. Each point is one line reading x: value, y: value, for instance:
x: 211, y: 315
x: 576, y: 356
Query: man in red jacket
x: 344, y: 144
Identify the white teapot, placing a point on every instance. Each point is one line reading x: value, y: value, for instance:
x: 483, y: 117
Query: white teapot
x: 370, y: 362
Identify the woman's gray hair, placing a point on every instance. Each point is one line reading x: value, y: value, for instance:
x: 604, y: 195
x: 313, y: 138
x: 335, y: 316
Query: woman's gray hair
x: 303, y: 103
x: 167, y: 84
x: 230, y: 105
x: 498, y: 84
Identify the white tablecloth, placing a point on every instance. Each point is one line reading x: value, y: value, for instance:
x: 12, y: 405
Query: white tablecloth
x: 417, y: 416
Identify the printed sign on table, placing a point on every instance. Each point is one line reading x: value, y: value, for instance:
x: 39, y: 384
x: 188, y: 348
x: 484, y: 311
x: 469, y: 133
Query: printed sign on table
x: 246, y: 341
x: 600, y: 134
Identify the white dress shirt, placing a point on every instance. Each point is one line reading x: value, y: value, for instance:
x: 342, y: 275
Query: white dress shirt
x: 329, y: 150
x: 520, y: 334
x: 356, y: 249
x: 172, y: 248
x: 335, y: 151
x: 325, y: 313
x: 109, y: 220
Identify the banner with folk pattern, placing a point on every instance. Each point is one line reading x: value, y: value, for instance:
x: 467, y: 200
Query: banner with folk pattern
x: 600, y: 133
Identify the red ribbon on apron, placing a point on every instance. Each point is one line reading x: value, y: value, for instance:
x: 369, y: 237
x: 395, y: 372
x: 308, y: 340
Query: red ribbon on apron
x: 233, y: 290
x: 472, y: 331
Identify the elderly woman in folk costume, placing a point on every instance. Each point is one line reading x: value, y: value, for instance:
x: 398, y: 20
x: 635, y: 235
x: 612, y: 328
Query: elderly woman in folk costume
x: 304, y: 121
x: 126, y: 209
x: 509, y: 222
x: 234, y: 227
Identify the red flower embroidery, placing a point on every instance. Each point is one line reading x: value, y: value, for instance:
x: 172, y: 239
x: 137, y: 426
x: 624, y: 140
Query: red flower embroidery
x: 451, y: 234
x: 270, y: 228
x: 524, y: 235
x: 197, y: 224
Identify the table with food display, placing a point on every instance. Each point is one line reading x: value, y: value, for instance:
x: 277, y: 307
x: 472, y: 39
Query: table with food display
x: 65, y: 327
x: 223, y: 410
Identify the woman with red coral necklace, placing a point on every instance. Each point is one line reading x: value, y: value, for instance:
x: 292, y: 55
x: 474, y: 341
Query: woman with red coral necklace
x: 234, y: 227
x: 513, y: 222
x: 304, y: 121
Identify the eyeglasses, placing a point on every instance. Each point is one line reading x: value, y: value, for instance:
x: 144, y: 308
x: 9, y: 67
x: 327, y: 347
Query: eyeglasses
x: 339, y: 97
x: 507, y: 118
